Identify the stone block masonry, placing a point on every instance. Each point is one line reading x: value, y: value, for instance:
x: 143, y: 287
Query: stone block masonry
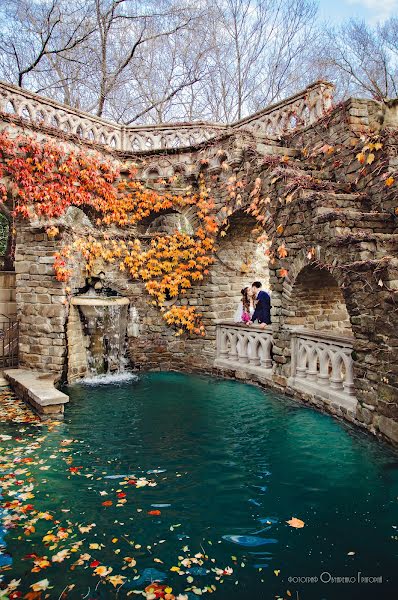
x: 335, y: 217
x: 37, y: 389
x: 41, y: 302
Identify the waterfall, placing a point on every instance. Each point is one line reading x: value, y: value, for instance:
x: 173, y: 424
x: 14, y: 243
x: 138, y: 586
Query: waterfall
x: 104, y: 321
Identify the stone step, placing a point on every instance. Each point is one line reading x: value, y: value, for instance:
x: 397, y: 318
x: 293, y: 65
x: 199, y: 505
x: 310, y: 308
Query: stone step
x: 371, y: 245
x: 333, y: 200
x: 356, y: 221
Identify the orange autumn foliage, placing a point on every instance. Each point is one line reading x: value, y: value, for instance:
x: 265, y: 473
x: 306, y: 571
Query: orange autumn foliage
x: 42, y: 179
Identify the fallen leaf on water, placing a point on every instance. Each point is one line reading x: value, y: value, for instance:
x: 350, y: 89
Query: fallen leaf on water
x: 40, y: 585
x: 103, y: 571
x: 294, y: 522
x: 116, y: 580
x: 95, y: 563
x: 154, y: 512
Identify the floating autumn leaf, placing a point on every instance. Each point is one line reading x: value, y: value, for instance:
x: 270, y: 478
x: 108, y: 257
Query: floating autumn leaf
x: 116, y: 580
x: 45, y: 515
x: 61, y: 555
x: 103, y: 571
x: 94, y: 564
x: 107, y: 503
x: 154, y: 512
x: 40, y: 585
x: 296, y: 523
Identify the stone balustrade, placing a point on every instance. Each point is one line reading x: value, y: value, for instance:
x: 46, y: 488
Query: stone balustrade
x: 321, y: 365
x: 244, y: 347
x: 298, y: 111
x: 295, y: 112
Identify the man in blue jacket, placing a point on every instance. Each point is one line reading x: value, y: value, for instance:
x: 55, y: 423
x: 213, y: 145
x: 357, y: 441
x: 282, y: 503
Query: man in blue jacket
x: 262, y: 312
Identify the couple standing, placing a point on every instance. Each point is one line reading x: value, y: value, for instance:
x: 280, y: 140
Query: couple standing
x: 254, y: 306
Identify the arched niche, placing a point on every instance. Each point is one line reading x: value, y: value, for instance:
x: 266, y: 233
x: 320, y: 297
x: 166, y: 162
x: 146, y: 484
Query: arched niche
x: 316, y: 302
x: 169, y: 223
x: 239, y: 260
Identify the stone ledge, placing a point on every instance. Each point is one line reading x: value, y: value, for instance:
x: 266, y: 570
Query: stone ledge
x: 37, y: 389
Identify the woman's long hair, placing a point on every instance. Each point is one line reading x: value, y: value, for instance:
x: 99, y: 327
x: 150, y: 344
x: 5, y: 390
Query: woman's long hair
x: 245, y: 299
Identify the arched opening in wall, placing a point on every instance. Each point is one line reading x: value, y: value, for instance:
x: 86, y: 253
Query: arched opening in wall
x: 239, y: 260
x: 170, y: 222
x: 317, y: 302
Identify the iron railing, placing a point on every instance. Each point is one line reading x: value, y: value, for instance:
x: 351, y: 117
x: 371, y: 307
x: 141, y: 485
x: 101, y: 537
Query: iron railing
x: 9, y: 332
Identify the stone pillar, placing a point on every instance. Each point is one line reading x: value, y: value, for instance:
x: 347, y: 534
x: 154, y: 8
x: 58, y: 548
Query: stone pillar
x: 41, y: 302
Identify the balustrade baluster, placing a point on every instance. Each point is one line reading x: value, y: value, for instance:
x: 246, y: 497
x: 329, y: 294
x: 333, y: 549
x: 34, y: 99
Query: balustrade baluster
x: 254, y: 351
x: 349, y: 379
x: 336, y: 380
x: 243, y: 355
x: 312, y: 372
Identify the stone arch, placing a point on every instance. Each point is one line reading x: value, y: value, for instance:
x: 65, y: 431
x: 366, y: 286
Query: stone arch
x: 315, y: 300
x: 170, y: 220
x: 180, y: 169
x: 239, y: 260
x: 152, y: 173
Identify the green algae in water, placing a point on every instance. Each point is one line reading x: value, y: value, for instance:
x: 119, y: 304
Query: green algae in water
x: 231, y: 464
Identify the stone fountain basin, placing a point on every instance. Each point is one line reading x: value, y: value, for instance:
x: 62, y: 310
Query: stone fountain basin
x: 98, y: 301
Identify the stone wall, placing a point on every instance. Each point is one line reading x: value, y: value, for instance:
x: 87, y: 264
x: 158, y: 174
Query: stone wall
x: 41, y: 302
x: 336, y: 222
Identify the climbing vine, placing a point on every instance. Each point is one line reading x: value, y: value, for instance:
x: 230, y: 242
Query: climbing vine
x: 42, y: 180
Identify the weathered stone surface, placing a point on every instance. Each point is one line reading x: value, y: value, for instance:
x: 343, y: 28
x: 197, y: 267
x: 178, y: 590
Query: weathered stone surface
x: 38, y: 390
x: 333, y: 228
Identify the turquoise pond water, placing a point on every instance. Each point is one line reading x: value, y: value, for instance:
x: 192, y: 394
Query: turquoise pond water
x: 231, y: 464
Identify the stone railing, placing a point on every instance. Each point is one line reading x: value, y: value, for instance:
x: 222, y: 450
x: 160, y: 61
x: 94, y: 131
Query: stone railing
x: 244, y: 347
x: 321, y: 365
x: 295, y: 112
x: 298, y: 111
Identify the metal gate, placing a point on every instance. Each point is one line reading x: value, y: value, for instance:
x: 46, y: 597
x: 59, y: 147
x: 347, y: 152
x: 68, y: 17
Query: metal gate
x: 8, y: 342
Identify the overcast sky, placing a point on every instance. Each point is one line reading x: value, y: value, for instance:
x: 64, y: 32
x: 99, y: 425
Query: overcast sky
x: 369, y: 10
